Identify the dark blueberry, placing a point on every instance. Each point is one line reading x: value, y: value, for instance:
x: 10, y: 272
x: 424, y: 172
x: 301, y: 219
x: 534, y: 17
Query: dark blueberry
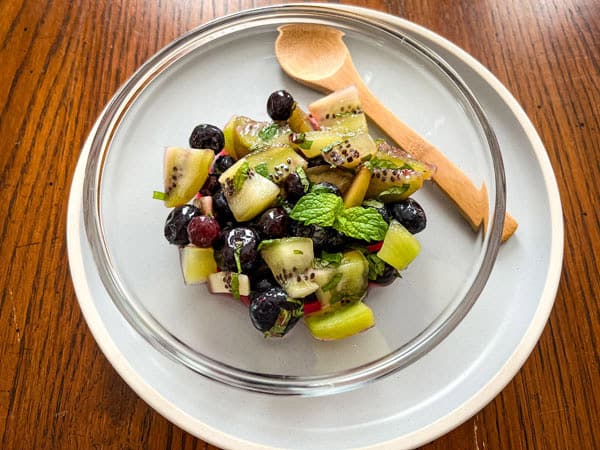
x: 207, y: 136
x: 273, y: 223
x: 211, y: 185
x: 380, y: 208
x: 221, y: 207
x: 335, y: 241
x: 326, y: 187
x: 177, y: 222
x: 280, y: 105
x: 410, y: 214
x: 293, y: 187
x: 240, y: 243
x: 274, y: 313
x: 317, y: 233
x: 387, y: 277
x: 318, y: 161
x: 264, y: 284
x: 222, y: 163
x: 203, y: 231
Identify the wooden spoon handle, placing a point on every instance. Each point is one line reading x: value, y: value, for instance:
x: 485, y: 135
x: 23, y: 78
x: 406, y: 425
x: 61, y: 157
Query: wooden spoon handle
x: 470, y: 200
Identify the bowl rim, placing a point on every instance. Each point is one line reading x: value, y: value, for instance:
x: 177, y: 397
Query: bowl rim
x: 169, y: 345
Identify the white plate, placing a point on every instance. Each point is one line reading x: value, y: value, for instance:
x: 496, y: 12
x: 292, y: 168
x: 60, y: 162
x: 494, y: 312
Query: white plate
x: 419, y: 403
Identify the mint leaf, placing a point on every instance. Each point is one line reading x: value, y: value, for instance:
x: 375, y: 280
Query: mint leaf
x: 318, y: 208
x: 303, y: 178
x: 394, y: 190
x: 333, y: 259
x: 235, y: 285
x: 361, y: 223
x: 376, y: 163
x: 157, y: 195
x: 376, y: 266
x: 262, y: 169
x: 300, y: 140
x: 240, y: 176
x: 373, y: 203
x: 331, y: 284
x: 268, y: 132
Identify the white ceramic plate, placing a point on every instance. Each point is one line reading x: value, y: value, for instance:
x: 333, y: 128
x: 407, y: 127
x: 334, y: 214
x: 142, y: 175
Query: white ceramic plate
x: 419, y: 403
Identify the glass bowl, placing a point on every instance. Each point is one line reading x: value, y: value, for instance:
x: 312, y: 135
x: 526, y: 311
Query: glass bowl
x: 228, y: 67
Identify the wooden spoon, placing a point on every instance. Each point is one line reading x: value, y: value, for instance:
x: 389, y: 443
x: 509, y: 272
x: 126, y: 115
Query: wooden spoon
x: 316, y: 56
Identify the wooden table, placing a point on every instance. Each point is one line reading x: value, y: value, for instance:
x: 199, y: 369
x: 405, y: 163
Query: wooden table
x: 62, y: 60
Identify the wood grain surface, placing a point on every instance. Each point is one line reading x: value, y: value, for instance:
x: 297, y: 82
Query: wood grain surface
x: 62, y: 60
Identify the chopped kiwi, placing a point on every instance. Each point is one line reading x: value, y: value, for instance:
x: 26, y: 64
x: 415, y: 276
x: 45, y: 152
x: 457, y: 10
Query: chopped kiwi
x: 244, y: 135
x: 399, y: 247
x: 356, y: 193
x: 290, y: 260
x: 340, y: 111
x: 248, y: 193
x: 341, y: 322
x: 351, y: 151
x: 390, y: 185
x: 275, y: 163
x: 401, y: 159
x: 226, y: 282
x: 197, y: 264
x: 338, y: 177
x: 311, y: 143
x: 349, y: 282
x: 185, y: 171
x: 298, y: 120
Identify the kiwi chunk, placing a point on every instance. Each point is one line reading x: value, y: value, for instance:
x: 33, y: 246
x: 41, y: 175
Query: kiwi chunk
x: 299, y: 121
x: 399, y: 247
x: 390, y: 185
x: 226, y: 282
x: 340, y: 111
x: 401, y: 159
x: 197, y: 264
x: 351, y: 151
x: 248, y: 193
x: 290, y: 260
x: 339, y: 323
x: 244, y: 135
x: 185, y: 171
x: 349, y: 282
x: 275, y: 163
x: 312, y: 143
x: 356, y: 193
x: 338, y: 177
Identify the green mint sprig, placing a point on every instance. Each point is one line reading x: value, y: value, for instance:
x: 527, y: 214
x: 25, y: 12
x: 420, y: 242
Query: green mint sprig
x: 327, y: 210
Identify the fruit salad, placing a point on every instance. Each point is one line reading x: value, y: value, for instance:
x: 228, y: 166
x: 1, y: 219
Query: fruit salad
x: 297, y: 217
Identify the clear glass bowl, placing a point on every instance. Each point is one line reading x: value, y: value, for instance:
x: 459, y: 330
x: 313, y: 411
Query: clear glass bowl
x: 228, y: 67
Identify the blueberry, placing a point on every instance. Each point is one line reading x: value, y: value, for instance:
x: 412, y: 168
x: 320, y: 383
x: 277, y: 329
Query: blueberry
x: 273, y: 223
x: 335, y: 241
x: 177, y: 222
x: 410, y: 214
x: 222, y: 163
x: 211, y: 185
x: 317, y: 233
x: 274, y: 313
x: 326, y: 187
x: 207, y: 136
x: 221, y: 207
x: 387, y: 277
x: 280, y: 105
x: 241, y: 244
x: 293, y: 187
